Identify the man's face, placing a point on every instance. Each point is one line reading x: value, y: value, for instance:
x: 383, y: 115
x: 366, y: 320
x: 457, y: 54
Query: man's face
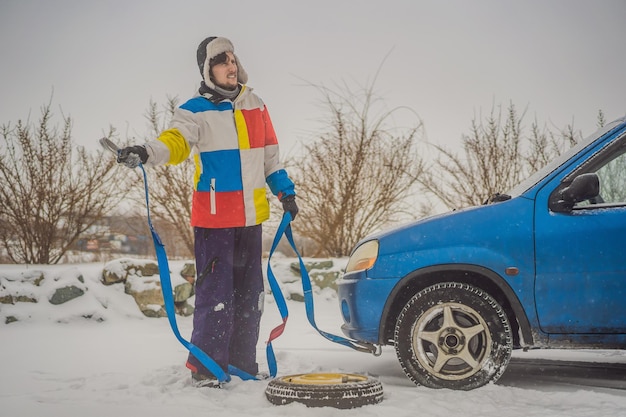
x: 225, y: 73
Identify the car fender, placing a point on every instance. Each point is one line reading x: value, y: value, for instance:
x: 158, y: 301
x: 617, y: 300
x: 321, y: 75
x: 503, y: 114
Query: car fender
x: 459, y: 272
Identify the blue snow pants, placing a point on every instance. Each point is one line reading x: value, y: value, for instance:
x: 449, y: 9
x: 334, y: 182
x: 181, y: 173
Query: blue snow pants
x: 229, y: 297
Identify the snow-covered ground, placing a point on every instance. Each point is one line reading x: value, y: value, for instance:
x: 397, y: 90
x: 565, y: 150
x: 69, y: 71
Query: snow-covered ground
x: 57, y: 363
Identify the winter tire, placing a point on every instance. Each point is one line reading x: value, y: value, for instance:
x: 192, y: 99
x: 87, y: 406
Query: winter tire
x: 325, y: 390
x: 453, y: 335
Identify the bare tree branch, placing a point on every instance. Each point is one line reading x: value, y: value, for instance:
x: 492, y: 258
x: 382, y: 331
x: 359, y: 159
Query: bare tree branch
x: 51, y: 190
x: 171, y: 189
x: 356, y: 177
x: 496, y: 156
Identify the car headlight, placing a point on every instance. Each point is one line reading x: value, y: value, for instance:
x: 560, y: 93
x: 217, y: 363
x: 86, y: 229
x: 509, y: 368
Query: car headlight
x: 363, y: 257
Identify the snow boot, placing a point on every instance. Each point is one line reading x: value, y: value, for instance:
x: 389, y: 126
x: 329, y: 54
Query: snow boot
x: 204, y: 381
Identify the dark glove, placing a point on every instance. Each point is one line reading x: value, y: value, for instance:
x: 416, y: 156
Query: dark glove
x: 289, y: 205
x: 132, y: 156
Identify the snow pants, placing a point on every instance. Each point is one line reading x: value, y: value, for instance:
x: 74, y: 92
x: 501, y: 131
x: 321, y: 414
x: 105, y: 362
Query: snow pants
x: 229, y: 297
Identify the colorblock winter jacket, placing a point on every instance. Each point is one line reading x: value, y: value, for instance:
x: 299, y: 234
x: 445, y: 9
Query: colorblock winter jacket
x: 236, y: 153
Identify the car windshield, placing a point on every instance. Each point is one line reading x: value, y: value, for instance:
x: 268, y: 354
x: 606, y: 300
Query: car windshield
x: 561, y: 159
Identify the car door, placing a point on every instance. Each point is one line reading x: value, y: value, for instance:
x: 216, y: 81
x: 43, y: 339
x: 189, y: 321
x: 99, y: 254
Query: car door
x: 580, y: 284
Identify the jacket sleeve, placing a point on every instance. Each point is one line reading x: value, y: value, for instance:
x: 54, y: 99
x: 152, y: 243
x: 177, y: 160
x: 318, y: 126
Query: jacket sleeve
x: 280, y: 184
x: 173, y: 145
x: 275, y: 175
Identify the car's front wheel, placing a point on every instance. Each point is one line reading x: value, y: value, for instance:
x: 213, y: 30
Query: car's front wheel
x: 453, y: 335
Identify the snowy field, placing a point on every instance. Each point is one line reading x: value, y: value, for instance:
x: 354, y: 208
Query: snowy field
x: 57, y: 363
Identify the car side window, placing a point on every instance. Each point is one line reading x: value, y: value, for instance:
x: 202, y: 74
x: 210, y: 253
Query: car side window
x: 612, y: 176
x: 613, y: 180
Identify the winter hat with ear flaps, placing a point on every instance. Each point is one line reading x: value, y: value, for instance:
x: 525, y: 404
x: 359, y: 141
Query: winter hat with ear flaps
x: 212, y: 47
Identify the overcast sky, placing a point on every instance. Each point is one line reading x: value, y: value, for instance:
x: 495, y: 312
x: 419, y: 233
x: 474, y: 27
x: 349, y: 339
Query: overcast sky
x: 448, y: 61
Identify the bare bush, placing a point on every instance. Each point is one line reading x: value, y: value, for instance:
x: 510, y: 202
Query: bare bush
x: 51, y: 191
x: 496, y: 156
x: 171, y: 189
x: 357, y: 176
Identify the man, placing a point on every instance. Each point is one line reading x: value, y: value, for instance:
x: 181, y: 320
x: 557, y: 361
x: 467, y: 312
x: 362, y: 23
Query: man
x: 228, y: 130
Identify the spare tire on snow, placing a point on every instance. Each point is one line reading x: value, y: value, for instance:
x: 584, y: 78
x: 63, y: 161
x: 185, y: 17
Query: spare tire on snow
x: 336, y: 390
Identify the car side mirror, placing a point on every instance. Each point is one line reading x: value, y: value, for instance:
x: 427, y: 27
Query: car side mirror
x: 583, y: 187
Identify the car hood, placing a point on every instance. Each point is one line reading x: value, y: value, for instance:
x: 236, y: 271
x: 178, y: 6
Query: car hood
x: 479, y: 225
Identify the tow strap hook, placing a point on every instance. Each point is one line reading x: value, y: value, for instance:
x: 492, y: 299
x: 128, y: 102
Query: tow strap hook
x: 366, y: 347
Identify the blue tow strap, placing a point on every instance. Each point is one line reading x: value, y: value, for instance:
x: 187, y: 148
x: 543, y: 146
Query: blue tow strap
x: 285, y: 228
x: 206, y: 360
x: 168, y: 298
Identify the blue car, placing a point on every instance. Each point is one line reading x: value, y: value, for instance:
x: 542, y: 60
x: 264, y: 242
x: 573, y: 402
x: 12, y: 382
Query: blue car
x: 541, y: 266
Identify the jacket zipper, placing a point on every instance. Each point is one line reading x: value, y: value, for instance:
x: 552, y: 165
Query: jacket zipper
x: 212, y: 198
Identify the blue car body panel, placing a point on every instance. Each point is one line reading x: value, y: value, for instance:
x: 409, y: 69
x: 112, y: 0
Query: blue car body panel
x: 562, y: 273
